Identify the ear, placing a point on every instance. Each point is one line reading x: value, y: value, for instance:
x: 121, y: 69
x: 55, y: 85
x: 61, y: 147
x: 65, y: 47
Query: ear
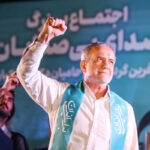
x: 83, y: 65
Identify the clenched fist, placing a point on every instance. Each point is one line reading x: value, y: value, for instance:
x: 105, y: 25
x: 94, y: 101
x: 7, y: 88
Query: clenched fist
x: 11, y: 82
x: 52, y: 27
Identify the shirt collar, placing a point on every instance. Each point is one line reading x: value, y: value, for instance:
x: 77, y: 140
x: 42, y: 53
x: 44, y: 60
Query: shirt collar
x: 106, y: 97
x: 6, y: 131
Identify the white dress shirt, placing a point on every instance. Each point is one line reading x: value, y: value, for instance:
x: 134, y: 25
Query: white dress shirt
x: 91, y: 129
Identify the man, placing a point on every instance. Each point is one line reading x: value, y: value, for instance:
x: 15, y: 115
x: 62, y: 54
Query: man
x: 84, y: 116
x: 9, y: 140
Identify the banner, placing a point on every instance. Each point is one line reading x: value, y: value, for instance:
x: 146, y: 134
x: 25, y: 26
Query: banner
x: 124, y: 25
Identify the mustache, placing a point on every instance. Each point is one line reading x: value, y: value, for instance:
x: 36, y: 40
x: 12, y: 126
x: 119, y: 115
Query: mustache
x: 3, y: 104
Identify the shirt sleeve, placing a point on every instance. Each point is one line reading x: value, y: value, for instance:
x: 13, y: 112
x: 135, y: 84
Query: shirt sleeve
x: 43, y: 90
x: 131, y: 142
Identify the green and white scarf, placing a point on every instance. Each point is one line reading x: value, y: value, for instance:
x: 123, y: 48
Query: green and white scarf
x: 69, y: 106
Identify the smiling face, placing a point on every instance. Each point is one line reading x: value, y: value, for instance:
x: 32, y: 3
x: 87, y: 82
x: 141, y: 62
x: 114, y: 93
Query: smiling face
x: 99, y: 66
x: 6, y: 103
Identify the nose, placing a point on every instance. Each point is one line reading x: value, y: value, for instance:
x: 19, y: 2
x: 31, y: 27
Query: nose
x: 105, y: 64
x: 3, y: 99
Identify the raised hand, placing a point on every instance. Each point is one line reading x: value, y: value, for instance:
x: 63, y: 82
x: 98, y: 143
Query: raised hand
x: 52, y: 27
x: 11, y: 81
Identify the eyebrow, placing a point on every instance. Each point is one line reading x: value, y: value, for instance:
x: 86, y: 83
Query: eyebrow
x: 107, y: 58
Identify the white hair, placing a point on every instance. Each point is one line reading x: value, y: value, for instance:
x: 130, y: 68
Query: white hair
x: 85, y: 52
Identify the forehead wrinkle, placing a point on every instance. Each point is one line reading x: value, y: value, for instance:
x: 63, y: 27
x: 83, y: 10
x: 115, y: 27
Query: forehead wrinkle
x: 104, y: 48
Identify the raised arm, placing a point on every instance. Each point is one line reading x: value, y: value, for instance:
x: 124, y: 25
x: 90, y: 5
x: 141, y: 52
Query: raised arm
x: 42, y: 89
x: 52, y: 27
x: 11, y: 82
